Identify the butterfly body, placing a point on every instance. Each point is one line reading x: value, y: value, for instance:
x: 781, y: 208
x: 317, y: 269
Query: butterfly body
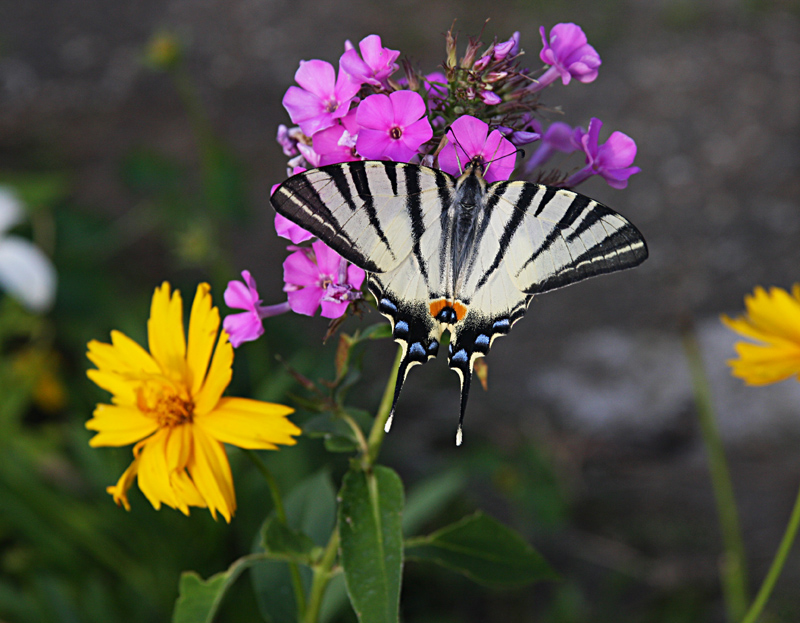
x: 455, y: 254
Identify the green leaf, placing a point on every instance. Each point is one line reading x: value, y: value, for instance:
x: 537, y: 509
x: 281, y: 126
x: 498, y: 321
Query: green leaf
x: 370, y: 527
x: 430, y: 497
x: 484, y: 550
x: 310, y: 510
x: 379, y: 331
x: 283, y: 541
x: 199, y: 599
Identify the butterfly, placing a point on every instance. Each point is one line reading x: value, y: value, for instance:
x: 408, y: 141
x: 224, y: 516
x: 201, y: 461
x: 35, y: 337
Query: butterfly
x: 455, y: 254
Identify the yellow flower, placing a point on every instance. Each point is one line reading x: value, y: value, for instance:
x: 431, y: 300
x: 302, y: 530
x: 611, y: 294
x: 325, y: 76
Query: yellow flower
x: 169, y: 402
x: 772, y: 318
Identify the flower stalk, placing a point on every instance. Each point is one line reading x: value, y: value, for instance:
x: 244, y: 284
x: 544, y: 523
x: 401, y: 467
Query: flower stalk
x: 733, y: 566
x: 777, y: 565
x: 280, y: 512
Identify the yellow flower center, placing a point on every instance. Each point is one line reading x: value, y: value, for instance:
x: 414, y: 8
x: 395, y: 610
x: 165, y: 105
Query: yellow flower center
x: 169, y: 406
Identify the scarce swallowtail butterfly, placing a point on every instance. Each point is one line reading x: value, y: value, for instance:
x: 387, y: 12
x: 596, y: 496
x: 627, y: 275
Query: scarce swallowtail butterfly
x: 455, y: 254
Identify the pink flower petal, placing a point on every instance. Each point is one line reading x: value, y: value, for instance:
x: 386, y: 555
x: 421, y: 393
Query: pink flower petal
x: 299, y: 270
x: 286, y: 229
x: 243, y: 327
x: 332, y: 309
x: 328, y: 260
x: 355, y: 276
x: 372, y: 143
x: 306, y: 300
x: 375, y: 112
x: 239, y: 296
x: 317, y: 77
x: 408, y: 107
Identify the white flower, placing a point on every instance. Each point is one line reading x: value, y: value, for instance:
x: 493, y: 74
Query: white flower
x: 26, y: 273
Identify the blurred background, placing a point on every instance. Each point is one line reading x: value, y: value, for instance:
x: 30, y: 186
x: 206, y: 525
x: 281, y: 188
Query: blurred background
x: 587, y: 440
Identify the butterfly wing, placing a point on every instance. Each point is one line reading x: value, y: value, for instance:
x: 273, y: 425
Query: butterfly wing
x: 529, y: 239
x: 372, y: 213
x: 386, y: 218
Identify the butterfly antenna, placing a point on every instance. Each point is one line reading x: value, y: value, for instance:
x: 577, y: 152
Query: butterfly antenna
x: 455, y: 140
x: 513, y: 153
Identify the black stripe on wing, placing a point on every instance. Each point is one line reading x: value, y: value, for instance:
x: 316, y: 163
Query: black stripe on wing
x: 414, y: 209
x: 620, y: 246
x: 298, y: 200
x: 511, y: 226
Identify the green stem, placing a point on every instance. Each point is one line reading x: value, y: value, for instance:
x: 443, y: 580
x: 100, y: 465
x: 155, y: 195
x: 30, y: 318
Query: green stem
x: 272, y: 484
x: 733, y: 569
x: 370, y: 449
x: 777, y: 565
x: 377, y: 433
x: 322, y: 575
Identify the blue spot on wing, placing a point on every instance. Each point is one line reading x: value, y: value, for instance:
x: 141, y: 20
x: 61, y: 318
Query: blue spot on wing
x: 417, y: 349
x: 460, y: 356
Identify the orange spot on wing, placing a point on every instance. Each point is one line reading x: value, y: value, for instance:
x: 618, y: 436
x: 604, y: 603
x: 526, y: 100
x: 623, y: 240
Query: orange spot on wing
x: 439, y: 304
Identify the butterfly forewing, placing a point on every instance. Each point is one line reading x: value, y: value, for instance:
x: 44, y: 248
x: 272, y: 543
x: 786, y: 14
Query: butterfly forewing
x: 371, y: 213
x: 566, y: 237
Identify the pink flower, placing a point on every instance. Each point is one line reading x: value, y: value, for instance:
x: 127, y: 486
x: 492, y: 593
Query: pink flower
x: 611, y: 160
x: 375, y: 64
x: 338, y: 142
x: 569, y: 56
x: 322, y: 99
x: 320, y: 276
x: 558, y: 137
x: 392, y: 126
x: 247, y: 326
x: 469, y: 139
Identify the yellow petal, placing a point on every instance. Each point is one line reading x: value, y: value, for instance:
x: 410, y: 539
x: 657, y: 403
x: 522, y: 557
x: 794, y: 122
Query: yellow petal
x: 186, y: 490
x: 120, y: 490
x: 211, y: 474
x: 154, y: 474
x: 165, y: 333
x: 123, y: 390
x: 759, y: 365
x: 119, y: 426
x: 218, y: 378
x: 179, y: 446
x: 250, y: 424
x: 775, y: 312
x: 203, y: 326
